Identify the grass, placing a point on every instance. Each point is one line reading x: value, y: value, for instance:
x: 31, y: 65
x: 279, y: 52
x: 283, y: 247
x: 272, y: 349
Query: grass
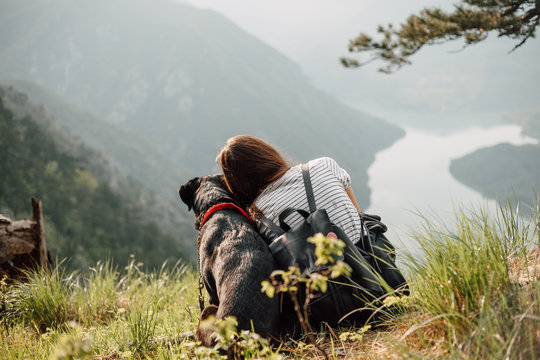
x: 118, y: 314
x: 464, y: 286
x: 474, y: 295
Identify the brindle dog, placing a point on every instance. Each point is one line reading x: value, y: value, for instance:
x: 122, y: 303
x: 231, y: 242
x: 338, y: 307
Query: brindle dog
x: 234, y: 260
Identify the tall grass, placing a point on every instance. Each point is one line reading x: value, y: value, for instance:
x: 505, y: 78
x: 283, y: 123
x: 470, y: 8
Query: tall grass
x: 42, y: 301
x: 142, y: 327
x: 96, y: 296
x: 474, y: 295
x: 465, y: 284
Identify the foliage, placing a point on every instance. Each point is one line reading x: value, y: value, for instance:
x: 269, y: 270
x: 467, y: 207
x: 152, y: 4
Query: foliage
x: 148, y: 316
x: 142, y: 328
x: 42, y: 301
x: 474, y: 295
x: 356, y: 335
x: 86, y: 220
x: 471, y: 20
x: 466, y: 284
x: 73, y: 347
x: 126, y: 151
x: 293, y: 281
x: 233, y: 344
x: 52, y: 299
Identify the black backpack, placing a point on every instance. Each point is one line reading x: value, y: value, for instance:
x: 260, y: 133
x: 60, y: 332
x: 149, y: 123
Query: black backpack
x: 373, y: 275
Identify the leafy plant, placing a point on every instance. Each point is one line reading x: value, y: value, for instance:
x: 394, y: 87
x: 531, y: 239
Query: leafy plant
x: 233, y: 344
x: 292, y: 280
x: 71, y: 347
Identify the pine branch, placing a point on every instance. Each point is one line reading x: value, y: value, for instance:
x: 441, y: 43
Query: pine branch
x: 471, y: 20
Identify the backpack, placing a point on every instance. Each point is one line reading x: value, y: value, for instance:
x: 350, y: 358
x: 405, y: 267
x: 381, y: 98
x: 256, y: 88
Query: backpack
x: 381, y: 254
x: 371, y: 259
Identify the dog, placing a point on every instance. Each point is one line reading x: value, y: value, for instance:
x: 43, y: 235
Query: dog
x: 234, y: 260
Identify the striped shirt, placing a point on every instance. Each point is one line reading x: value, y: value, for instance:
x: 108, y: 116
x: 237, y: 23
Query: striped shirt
x: 329, y: 183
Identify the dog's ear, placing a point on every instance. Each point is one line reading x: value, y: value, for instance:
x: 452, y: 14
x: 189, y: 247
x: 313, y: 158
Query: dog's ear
x: 187, y: 191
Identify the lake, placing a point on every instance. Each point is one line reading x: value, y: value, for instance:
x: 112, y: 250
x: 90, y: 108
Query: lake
x: 412, y: 176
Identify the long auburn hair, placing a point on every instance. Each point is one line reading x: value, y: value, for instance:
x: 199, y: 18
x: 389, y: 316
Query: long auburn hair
x: 249, y: 165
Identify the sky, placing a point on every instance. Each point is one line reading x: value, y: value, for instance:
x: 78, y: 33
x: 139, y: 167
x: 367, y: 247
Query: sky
x: 444, y: 83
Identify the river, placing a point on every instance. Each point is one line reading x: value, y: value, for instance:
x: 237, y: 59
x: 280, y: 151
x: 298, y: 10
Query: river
x: 412, y: 176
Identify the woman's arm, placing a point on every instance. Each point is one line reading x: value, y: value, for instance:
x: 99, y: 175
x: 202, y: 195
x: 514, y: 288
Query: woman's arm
x: 350, y: 192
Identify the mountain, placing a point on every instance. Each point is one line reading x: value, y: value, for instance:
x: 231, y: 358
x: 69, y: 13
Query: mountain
x: 504, y: 171
x: 126, y: 150
x: 184, y: 79
x: 91, y: 211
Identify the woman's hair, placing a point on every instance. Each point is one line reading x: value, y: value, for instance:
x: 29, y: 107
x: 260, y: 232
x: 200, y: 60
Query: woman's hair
x: 249, y: 165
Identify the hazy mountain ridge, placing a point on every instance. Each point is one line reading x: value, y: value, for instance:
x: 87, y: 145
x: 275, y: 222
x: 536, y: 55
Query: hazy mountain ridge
x: 91, y: 211
x: 185, y: 79
x: 127, y: 151
x: 504, y: 171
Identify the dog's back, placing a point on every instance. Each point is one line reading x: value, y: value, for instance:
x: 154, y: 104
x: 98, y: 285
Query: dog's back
x: 234, y: 260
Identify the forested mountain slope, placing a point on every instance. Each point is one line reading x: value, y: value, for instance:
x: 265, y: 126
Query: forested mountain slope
x: 183, y: 78
x: 91, y: 211
x: 126, y: 150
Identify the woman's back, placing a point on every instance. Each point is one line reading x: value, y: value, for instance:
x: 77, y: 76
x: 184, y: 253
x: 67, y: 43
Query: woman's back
x: 329, y: 187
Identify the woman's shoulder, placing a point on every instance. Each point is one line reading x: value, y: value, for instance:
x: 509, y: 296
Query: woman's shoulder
x: 325, y: 161
x: 328, y: 164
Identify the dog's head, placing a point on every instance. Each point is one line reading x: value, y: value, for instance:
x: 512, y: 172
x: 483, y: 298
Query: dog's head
x: 201, y: 193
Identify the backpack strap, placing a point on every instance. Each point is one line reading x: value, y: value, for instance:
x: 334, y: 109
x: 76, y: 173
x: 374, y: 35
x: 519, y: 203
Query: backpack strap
x: 271, y: 225
x: 311, y: 202
x: 309, y: 188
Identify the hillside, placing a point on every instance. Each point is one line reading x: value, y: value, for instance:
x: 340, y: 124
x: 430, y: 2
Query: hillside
x: 484, y: 306
x: 184, y: 79
x: 91, y: 211
x: 126, y: 151
x: 504, y: 171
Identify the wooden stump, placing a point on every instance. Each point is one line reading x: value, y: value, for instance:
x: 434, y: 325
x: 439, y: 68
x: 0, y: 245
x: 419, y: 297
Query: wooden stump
x: 22, y: 244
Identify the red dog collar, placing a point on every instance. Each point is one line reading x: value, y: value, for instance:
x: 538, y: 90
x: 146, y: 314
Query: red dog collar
x: 218, y: 207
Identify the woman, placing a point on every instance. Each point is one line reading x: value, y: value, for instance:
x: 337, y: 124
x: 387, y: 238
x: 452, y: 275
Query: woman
x: 260, y: 178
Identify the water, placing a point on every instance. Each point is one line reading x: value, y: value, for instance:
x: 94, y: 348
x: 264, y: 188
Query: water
x: 413, y: 176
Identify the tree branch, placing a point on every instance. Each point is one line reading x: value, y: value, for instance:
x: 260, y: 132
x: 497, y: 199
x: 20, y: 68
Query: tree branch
x: 529, y: 34
x: 471, y: 20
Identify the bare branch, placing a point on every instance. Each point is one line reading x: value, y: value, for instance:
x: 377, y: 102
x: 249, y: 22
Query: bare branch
x: 529, y: 34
